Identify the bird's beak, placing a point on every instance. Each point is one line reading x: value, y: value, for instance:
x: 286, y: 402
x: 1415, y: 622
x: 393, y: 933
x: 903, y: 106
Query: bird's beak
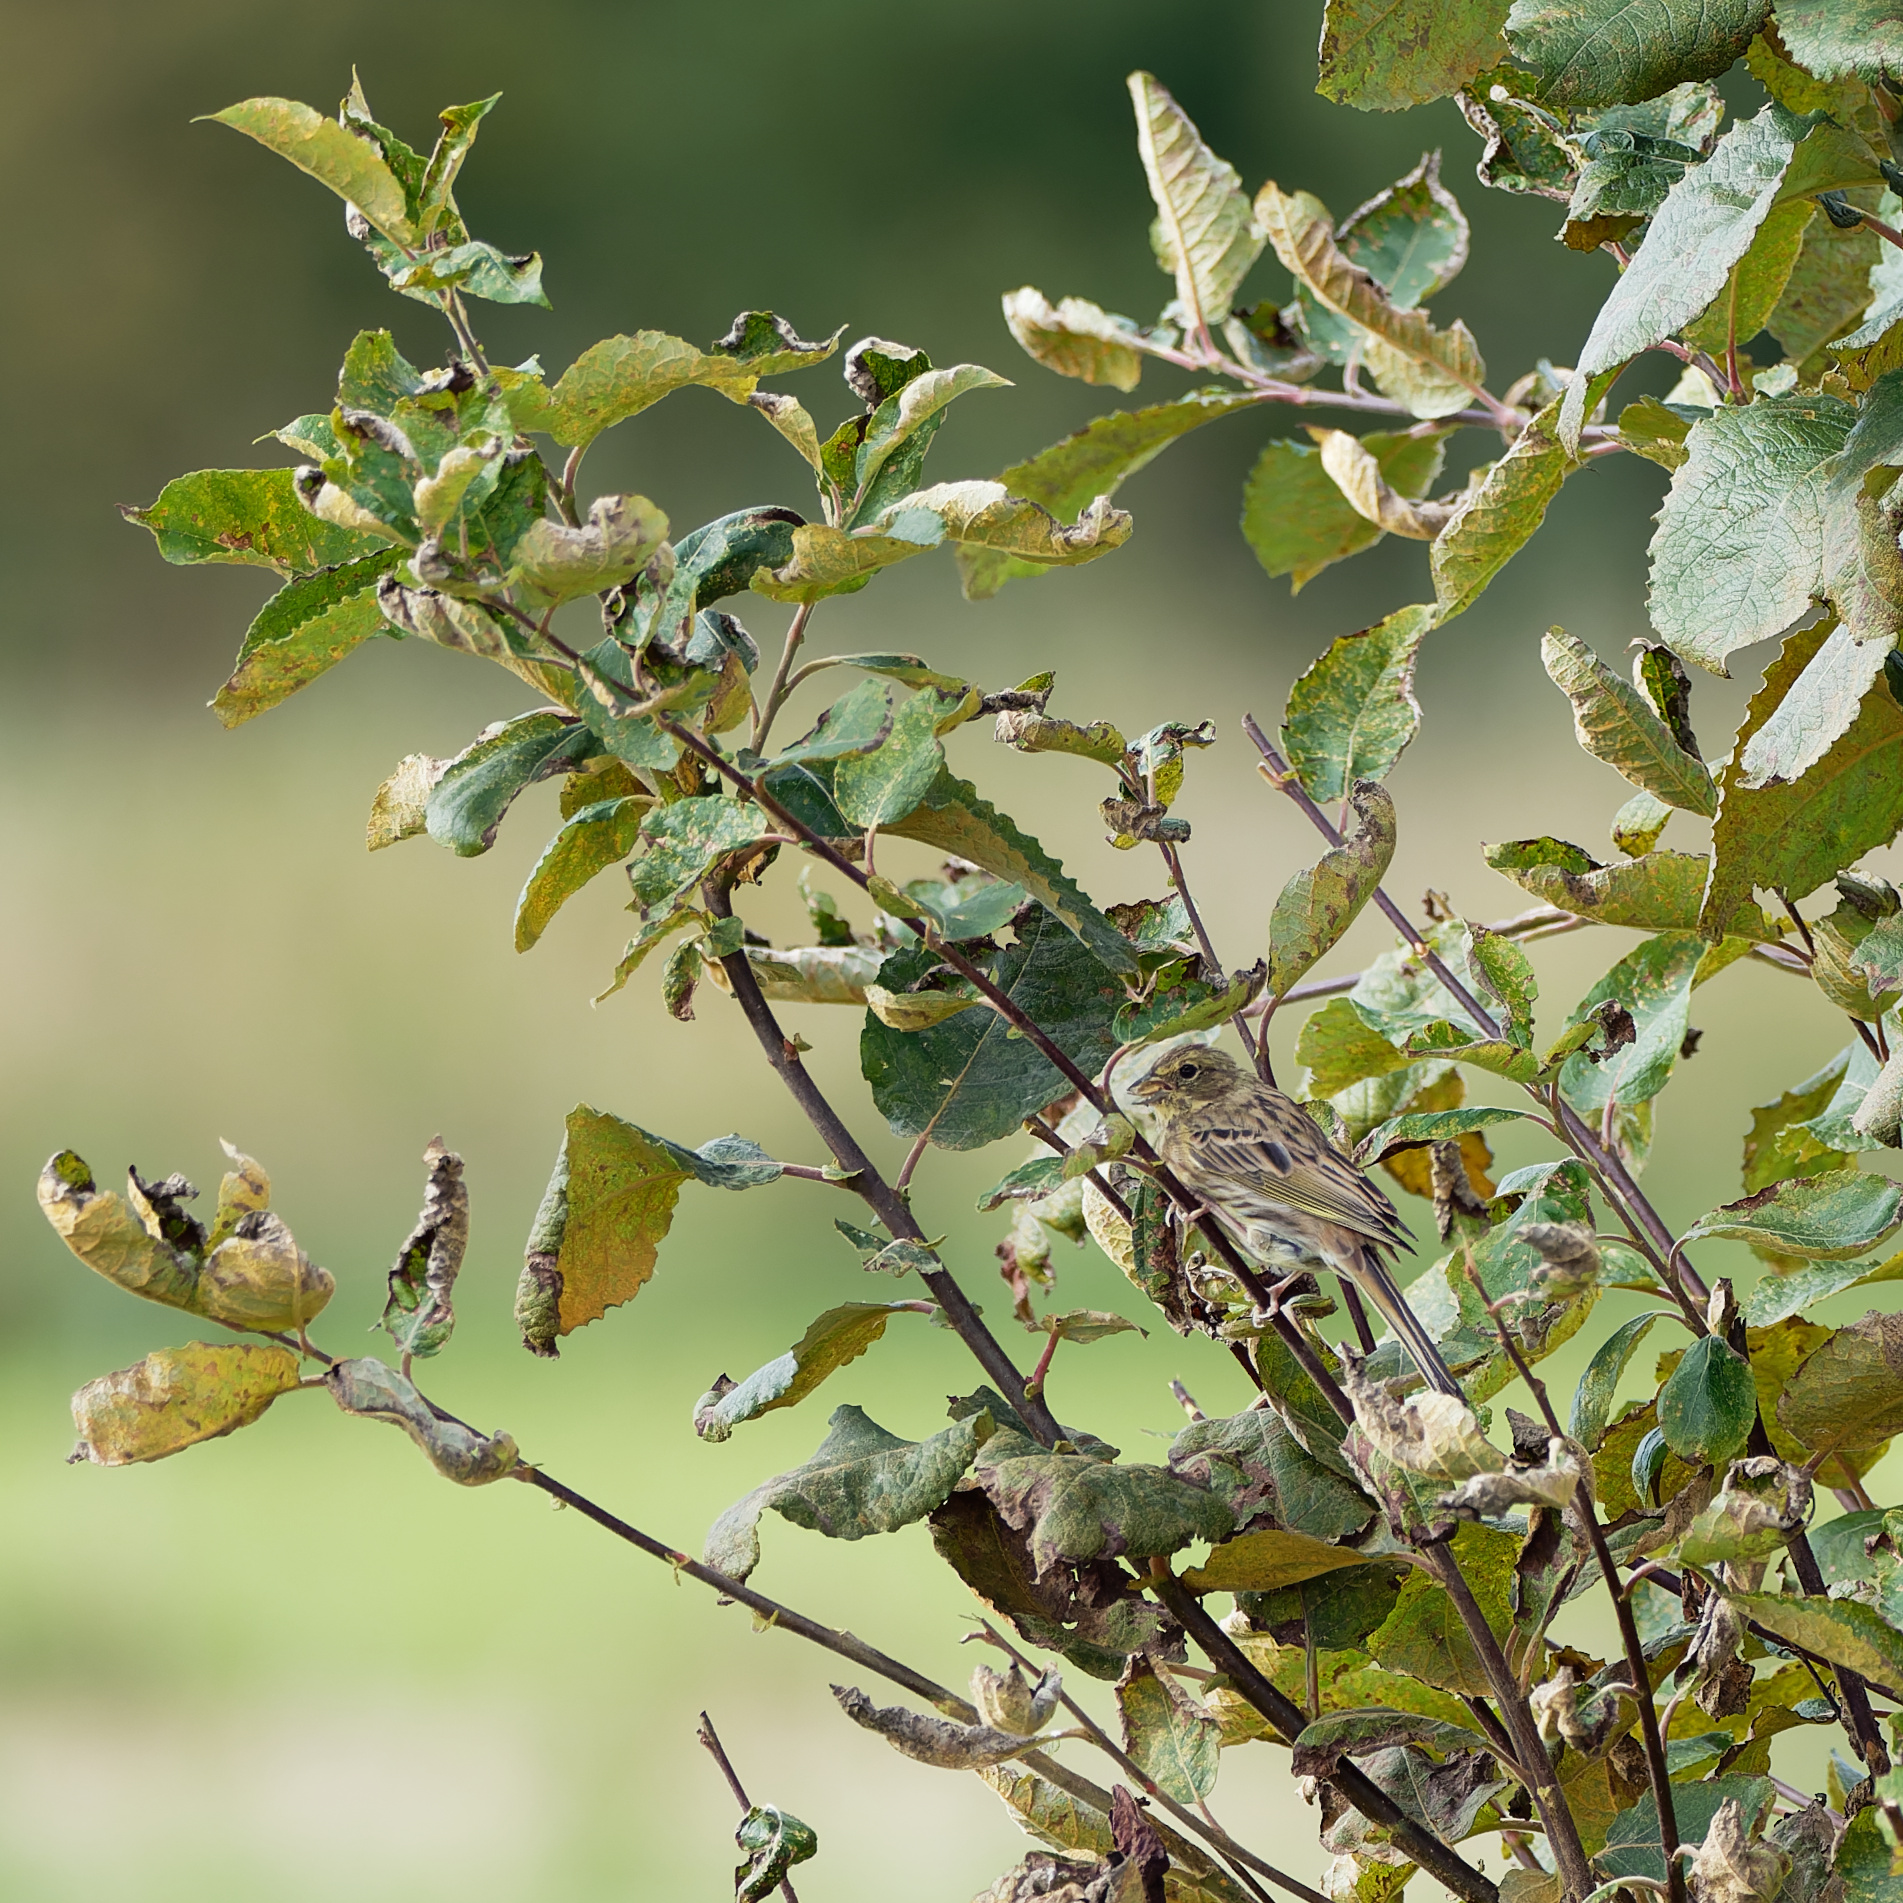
x: 1146, y: 1087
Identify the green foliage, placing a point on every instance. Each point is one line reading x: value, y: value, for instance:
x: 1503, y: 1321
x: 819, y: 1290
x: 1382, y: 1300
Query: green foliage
x: 1002, y: 1000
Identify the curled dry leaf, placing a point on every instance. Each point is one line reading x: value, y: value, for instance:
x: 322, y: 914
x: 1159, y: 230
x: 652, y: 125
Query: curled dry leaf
x: 1569, y: 1259
x: 259, y: 1278
x: 1762, y: 1502
x: 1008, y: 1701
x: 952, y: 1747
x: 1485, y: 1496
x: 177, y: 1397
x: 1589, y: 1724
x: 1433, y: 1434
x: 418, y: 1315
x: 1730, y: 1868
x: 378, y: 1393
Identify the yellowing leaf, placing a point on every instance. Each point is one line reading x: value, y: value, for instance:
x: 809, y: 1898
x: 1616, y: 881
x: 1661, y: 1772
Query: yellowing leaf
x: 177, y: 1397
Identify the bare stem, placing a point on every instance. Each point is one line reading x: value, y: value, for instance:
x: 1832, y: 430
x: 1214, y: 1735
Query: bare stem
x: 776, y: 692
x: 711, y: 1739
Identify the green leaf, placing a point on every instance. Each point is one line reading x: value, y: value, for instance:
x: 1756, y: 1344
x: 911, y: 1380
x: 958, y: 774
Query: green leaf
x: 1828, y: 1217
x: 557, y: 563
x: 1174, y: 1741
x: 1654, y: 982
x: 252, y: 516
x: 1498, y: 513
x: 1817, y: 710
x: 1705, y: 226
x: 1189, y: 1006
x: 1757, y: 281
x: 597, y: 837
x: 1029, y: 1180
x: 1507, y: 972
x: 1777, y: 1297
x: 1353, y: 711
x: 684, y: 841
x: 1708, y: 1404
x: 1433, y: 373
x: 774, y: 1841
x: 1616, y: 723
x: 1095, y: 461
x: 1254, y: 1464
x: 1592, y: 1399
x: 861, y: 1481
x: 177, y: 1397
x: 303, y: 631
x: 621, y: 376
x: 1318, y: 904
x: 968, y: 1080
x: 1865, y: 1860
x: 1736, y: 557
x: 1075, y: 337
x: 886, y: 783
x: 1792, y: 838
x: 1340, y: 1048
x: 1843, y: 39
x: 839, y: 1336
x: 1205, y: 235
x: 1383, y: 57
x: 1842, y: 1630
x: 1657, y: 892
x: 1423, y: 1638
x: 916, y: 410
x: 1411, y: 238
x: 1827, y: 292
x: 953, y: 818
x: 332, y: 154
x: 1298, y: 521
x: 857, y: 722
x: 1604, y: 52
x: 1849, y: 1394
x: 1633, y: 1845
x: 1265, y: 1560
x: 418, y: 1314
x: 1429, y: 1126
x: 1078, y: 1507
x: 467, y: 803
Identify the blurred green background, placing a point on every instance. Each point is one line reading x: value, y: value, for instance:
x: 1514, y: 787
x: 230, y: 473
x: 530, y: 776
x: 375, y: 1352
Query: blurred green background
x: 294, y: 1662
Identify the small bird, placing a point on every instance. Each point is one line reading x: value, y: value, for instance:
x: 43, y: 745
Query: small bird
x: 1266, y: 1172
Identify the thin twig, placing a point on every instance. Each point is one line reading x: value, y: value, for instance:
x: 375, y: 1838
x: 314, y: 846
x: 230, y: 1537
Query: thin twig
x: 1217, y: 976
x: 711, y: 1739
x: 776, y: 693
x: 1187, y: 1401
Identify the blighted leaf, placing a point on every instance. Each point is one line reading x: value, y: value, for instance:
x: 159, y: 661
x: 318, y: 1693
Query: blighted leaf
x: 558, y: 563
x: 861, y: 1481
x: 259, y: 1278
x: 1827, y: 1217
x: 1708, y: 1403
x: 418, y: 1315
x: 956, y: 819
x: 1499, y: 511
x: 177, y: 1397
x: 1603, y: 52
x: 1340, y: 1048
x: 1705, y: 226
x: 1845, y: 1631
x: 251, y: 516
x: 244, y: 1189
x: 1762, y: 1503
x: 108, y: 1235
x: 774, y: 1841
x: 400, y: 807
x: 939, y: 1741
x: 1175, y: 1741
x: 594, y: 839
x: 332, y: 154
x: 306, y: 628
x: 1353, y: 711
x: 1318, y: 905
x: 1615, y: 723
x: 1267, y: 1559
x: 1633, y: 1846
x: 1205, y: 234
x: 1792, y: 837
x: 367, y: 1388
x: 478, y: 786
x: 833, y: 1339
x: 1384, y: 58
x: 1432, y: 372
x: 1777, y: 1297
x: 1818, y: 708
x: 1736, y: 557
x: 1253, y: 1462
x: 1848, y: 1394
x: 1075, y: 337
x: 1354, y: 471
x: 1295, y: 517
x: 1592, y: 1399
x: 1661, y: 891
x: 1423, y: 1637
x: 684, y: 841
x: 874, y: 788
x: 966, y: 1080
x: 1842, y: 39
x: 914, y: 412
x: 620, y: 376
x: 1653, y: 983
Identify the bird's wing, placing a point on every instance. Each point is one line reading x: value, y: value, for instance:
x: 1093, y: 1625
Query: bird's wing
x: 1301, y: 1168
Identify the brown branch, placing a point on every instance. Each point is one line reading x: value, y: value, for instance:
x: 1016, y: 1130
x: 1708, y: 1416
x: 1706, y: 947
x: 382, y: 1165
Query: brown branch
x: 878, y: 1195
x: 717, y: 1751
x: 1441, y: 1862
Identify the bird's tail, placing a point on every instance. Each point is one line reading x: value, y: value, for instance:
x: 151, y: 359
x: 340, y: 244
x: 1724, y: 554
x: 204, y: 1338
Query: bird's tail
x: 1372, y: 1277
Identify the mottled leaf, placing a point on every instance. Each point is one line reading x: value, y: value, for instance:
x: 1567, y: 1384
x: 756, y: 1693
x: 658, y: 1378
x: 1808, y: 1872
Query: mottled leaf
x: 1176, y: 1742
x: 1843, y: 39
x: 1423, y: 1638
x: 861, y: 1481
x: 831, y: 1340
x: 1657, y: 892
x: 685, y: 839
x: 251, y: 516
x: 1298, y: 521
x: 1604, y: 52
x: 177, y: 1397
x: 1340, y: 1048
x: 1075, y: 337
x: 1383, y: 57
x: 1255, y: 1465
x: 1842, y: 1630
x: 1707, y: 1404
x: 1654, y: 983
x: 367, y: 1388
x: 1352, y: 712
x: 877, y: 787
x: 1826, y: 1217
x: 1633, y: 1846
x: 596, y: 838
x: 620, y: 376
x: 1267, y: 1559
x: 1592, y: 1399
x: 1849, y: 1394
x: 1616, y: 723
x: 477, y: 787
x: 332, y: 154
x: 1318, y: 904
x: 419, y: 1313
x: 1777, y: 1297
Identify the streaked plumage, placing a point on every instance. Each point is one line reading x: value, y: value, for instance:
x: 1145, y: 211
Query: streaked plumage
x: 1277, y: 1185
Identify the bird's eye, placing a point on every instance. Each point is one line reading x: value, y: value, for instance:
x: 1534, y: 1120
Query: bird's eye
x: 1188, y: 1071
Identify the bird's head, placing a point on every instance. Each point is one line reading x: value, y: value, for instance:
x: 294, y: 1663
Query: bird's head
x: 1196, y: 1074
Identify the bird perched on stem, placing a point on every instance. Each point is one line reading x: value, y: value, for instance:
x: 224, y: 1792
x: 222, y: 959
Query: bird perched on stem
x: 1277, y: 1185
